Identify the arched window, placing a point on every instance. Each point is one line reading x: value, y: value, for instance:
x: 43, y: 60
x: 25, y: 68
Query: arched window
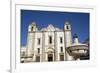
x: 61, y: 49
x: 67, y: 27
x: 38, y: 49
x: 31, y: 28
x: 61, y: 40
x: 50, y: 39
x: 38, y: 41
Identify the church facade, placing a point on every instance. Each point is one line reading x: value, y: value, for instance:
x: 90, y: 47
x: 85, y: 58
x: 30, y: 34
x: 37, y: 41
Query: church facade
x: 48, y: 44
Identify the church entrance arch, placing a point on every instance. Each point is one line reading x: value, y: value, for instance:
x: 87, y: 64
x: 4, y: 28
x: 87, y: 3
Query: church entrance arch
x: 50, y: 54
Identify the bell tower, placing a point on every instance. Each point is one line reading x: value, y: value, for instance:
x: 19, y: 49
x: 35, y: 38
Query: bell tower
x: 67, y: 26
x: 68, y: 38
x: 68, y: 35
x: 32, y: 27
x: 30, y: 40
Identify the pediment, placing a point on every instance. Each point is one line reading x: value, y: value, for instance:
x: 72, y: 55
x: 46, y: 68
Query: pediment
x: 50, y: 27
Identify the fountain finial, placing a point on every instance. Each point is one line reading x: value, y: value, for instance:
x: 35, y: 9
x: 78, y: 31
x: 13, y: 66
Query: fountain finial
x: 75, y: 36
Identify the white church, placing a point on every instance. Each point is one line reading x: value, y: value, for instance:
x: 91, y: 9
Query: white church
x: 51, y: 44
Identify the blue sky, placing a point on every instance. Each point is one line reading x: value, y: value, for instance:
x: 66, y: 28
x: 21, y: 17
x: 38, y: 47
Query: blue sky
x: 79, y: 22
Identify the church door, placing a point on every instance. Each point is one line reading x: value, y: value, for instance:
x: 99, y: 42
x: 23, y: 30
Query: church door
x: 50, y: 57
